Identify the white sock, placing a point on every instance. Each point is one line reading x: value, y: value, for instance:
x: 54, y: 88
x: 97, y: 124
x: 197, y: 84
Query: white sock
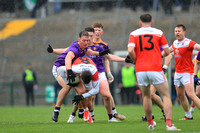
x: 86, y: 109
x: 91, y: 113
x: 188, y: 114
x: 114, y: 111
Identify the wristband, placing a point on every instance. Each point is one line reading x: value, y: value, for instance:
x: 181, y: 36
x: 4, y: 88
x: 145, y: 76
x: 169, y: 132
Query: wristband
x: 165, y: 67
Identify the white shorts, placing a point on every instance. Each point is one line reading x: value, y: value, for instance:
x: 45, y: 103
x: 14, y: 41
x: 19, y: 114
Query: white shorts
x: 59, y: 71
x: 183, y: 78
x: 150, y: 77
x: 102, y: 76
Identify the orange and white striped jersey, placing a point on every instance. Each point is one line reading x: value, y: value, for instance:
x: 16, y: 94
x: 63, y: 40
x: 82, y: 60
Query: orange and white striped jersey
x: 147, y: 42
x: 183, y: 55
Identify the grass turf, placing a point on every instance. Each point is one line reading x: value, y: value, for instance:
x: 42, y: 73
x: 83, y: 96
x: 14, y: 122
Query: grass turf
x: 38, y: 119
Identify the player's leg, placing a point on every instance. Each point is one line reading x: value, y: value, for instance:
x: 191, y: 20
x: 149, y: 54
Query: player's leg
x: 163, y: 90
x: 90, y: 103
x: 157, y: 100
x: 191, y: 94
x: 184, y: 102
x: 61, y: 95
x: 105, y: 93
x: 192, y: 103
x: 161, y: 85
x: 80, y: 89
x: 147, y: 105
x: 73, y: 115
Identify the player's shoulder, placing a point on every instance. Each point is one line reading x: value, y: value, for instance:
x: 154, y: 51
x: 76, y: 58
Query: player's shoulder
x: 102, y: 42
x: 147, y: 30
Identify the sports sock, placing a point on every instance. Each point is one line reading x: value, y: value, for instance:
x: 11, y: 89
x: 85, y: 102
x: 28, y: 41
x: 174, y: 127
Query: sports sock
x: 85, y: 109
x: 188, y: 114
x: 91, y: 112
x: 169, y: 122
x: 163, y: 114
x: 114, y: 111
x: 110, y: 116
x: 57, y: 109
x: 74, y: 114
x: 192, y: 106
x: 81, y: 111
x: 150, y: 121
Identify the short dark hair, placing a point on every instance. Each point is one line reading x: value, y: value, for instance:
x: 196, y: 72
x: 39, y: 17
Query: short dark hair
x: 181, y: 25
x: 86, y: 76
x: 89, y: 29
x: 146, y: 18
x: 83, y: 33
x: 97, y: 25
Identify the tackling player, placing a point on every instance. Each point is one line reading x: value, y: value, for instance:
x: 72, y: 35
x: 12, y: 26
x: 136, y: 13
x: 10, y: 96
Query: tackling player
x: 75, y: 50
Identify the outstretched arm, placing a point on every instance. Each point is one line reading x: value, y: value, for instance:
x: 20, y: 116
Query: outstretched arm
x: 56, y: 51
x: 59, y: 50
x: 112, y: 57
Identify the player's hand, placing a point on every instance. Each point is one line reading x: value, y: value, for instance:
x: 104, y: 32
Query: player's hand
x: 49, y: 49
x: 110, y: 77
x: 129, y: 60
x: 70, y: 76
x: 77, y: 99
x: 196, y: 80
x: 104, y: 52
x: 164, y: 68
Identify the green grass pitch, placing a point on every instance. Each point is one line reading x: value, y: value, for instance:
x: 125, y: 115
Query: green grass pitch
x: 38, y: 119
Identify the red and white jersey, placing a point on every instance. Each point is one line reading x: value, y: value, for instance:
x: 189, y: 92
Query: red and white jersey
x: 82, y: 64
x: 147, y: 42
x: 183, y: 55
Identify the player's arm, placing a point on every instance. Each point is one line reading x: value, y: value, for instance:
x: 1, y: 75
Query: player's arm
x: 93, y: 91
x: 196, y: 79
x: 166, y: 51
x: 197, y: 47
x: 112, y: 57
x: 68, y: 60
x: 131, y: 52
x: 168, y: 59
x: 195, y: 67
x: 167, y: 62
x: 56, y: 51
x: 68, y: 63
x: 196, y: 60
x: 59, y: 50
x: 101, y: 53
x: 107, y: 68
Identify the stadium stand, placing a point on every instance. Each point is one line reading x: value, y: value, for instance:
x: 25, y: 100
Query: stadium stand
x: 60, y: 30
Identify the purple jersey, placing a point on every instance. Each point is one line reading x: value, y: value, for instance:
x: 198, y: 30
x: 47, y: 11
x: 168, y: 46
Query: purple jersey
x: 198, y: 57
x: 98, y: 60
x: 75, y: 48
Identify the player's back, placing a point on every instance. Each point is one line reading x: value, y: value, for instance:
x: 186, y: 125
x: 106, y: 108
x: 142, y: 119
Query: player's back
x: 82, y: 64
x: 147, y: 42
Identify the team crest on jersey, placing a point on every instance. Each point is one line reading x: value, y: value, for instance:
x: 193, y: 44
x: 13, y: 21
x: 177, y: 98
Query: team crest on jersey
x: 176, y: 51
x: 94, y: 48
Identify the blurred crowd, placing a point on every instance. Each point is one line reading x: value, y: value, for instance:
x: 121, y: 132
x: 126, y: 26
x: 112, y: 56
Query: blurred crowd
x: 11, y: 7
